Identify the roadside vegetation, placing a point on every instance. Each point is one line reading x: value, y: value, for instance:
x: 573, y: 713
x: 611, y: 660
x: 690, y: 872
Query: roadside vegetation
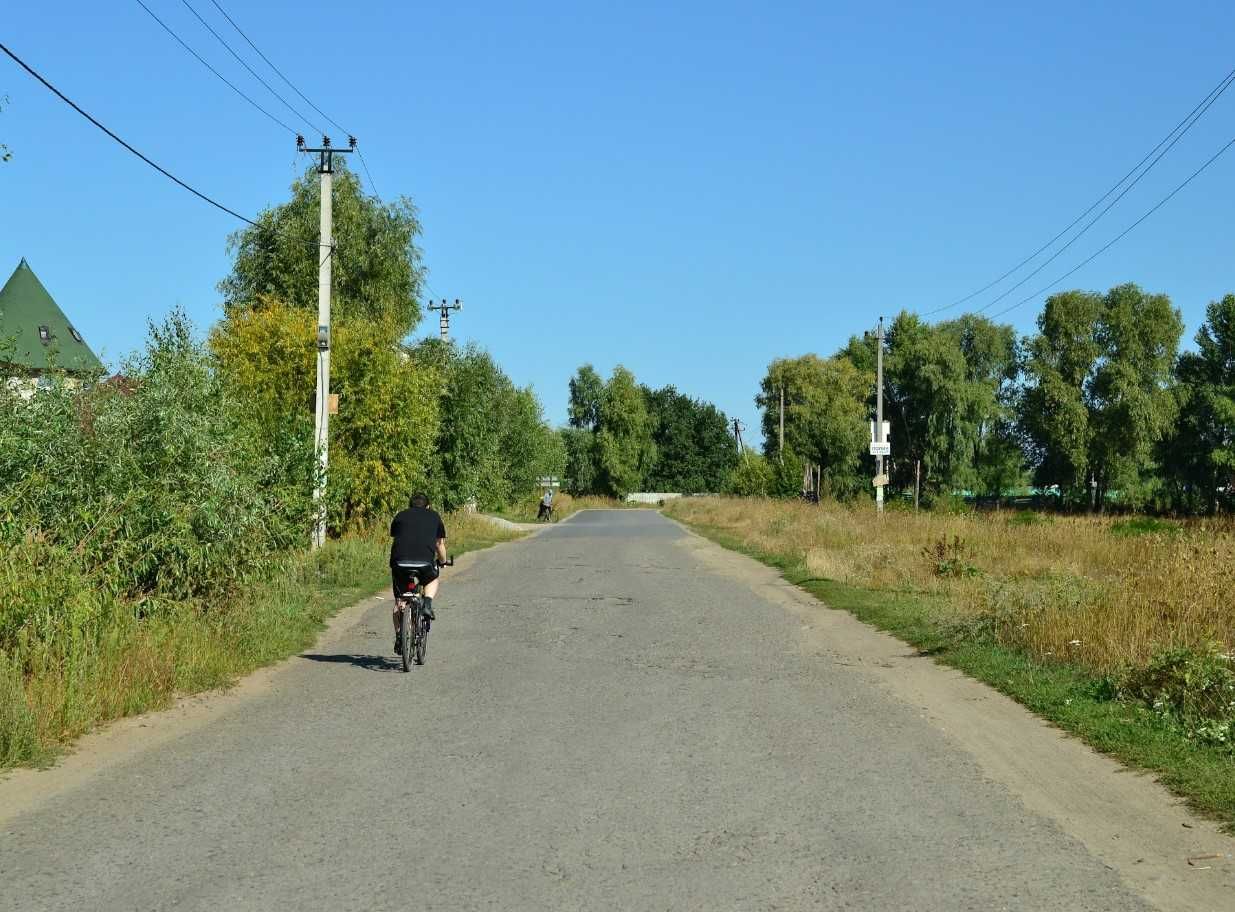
x: 154, y: 525
x: 1098, y: 410
x: 1119, y: 630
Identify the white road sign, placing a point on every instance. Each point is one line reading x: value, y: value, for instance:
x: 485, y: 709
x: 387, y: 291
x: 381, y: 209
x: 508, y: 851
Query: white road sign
x: 881, y: 449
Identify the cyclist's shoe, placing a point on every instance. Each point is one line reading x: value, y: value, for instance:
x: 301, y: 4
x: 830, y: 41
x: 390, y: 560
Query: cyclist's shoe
x: 428, y: 609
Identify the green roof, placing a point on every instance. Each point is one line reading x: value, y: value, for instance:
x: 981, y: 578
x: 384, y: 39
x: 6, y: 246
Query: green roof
x: 34, y: 332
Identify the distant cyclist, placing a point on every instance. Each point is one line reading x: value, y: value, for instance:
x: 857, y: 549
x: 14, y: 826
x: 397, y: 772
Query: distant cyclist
x: 546, y: 506
x: 418, y: 535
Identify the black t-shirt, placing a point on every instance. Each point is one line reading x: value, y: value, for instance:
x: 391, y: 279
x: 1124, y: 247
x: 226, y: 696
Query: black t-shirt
x: 415, y: 532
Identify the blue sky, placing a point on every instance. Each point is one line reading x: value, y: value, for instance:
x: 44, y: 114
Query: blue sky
x: 689, y: 189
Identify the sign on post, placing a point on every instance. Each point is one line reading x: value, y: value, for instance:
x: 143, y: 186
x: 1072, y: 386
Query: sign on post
x: 881, y: 481
x: 548, y: 481
x: 881, y: 449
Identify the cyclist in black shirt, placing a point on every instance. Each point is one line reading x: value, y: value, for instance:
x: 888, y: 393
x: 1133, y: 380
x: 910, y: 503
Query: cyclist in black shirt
x: 417, y: 534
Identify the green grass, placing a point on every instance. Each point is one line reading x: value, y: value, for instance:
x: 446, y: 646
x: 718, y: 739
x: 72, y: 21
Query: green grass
x: 1143, y: 525
x: 127, y: 665
x: 1078, y: 702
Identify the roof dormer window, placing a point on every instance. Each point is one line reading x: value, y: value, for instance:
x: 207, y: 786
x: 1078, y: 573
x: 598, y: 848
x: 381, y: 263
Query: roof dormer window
x: 44, y: 334
x: 75, y: 334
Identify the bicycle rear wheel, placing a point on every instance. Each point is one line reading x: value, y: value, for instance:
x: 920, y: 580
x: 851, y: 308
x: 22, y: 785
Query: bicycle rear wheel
x: 409, y: 609
x: 421, y: 640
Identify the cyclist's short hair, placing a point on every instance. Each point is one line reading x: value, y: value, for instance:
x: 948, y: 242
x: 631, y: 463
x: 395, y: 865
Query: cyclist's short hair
x: 419, y: 500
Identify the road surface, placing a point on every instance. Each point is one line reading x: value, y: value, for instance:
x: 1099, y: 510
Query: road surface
x: 614, y: 715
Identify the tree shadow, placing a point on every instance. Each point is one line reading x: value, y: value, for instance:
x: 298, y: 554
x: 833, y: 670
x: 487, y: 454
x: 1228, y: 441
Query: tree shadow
x: 367, y: 662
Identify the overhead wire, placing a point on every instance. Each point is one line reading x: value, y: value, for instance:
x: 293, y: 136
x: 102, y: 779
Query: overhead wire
x: 1119, y: 237
x: 245, y: 64
x: 1171, y: 138
x: 207, y: 65
x: 29, y: 69
x: 1054, y: 256
x: 270, y: 63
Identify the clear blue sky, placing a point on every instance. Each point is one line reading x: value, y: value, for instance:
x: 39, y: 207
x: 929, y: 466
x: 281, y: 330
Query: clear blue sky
x: 689, y: 189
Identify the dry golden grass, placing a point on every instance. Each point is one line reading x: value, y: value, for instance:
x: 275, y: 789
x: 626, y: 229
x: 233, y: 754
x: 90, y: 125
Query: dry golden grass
x: 1058, y: 586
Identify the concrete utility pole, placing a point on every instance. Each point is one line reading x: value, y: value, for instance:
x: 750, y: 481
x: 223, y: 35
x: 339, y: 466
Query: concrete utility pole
x: 781, y: 450
x: 444, y: 310
x: 321, y: 418
x: 880, y: 447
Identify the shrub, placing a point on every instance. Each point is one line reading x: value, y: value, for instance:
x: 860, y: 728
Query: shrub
x: 1195, y: 688
x: 1143, y: 525
x: 751, y: 477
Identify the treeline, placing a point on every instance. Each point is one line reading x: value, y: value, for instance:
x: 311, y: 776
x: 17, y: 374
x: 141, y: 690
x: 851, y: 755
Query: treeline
x: 626, y: 437
x: 1096, y: 409
x: 191, y: 473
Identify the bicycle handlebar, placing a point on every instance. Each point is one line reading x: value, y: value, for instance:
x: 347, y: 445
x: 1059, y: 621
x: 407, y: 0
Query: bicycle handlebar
x: 446, y: 563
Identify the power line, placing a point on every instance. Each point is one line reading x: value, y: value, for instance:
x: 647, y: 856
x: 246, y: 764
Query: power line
x: 293, y: 87
x: 1054, y: 256
x: 1119, y: 237
x: 372, y: 185
x: 204, y: 63
x: 240, y: 31
x: 244, y: 64
x: 1171, y: 137
x: 25, y: 66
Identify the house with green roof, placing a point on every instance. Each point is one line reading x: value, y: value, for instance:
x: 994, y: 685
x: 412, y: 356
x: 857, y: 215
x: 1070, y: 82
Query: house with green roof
x: 35, y: 335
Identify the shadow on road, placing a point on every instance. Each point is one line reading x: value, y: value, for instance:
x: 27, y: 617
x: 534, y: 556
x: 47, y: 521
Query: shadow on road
x: 367, y: 662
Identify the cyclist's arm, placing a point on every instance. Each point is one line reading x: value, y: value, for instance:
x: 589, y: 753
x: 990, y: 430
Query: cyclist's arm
x: 441, y: 550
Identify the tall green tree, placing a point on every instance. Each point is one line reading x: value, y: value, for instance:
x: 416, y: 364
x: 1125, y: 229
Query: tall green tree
x: 581, y: 472
x: 825, y: 416
x: 624, y: 447
x: 988, y: 425
x: 377, y: 267
x: 1133, y: 405
x: 587, y: 389
x: 494, y: 442
x: 1199, y: 455
x: 929, y: 402
x: 1055, y: 410
x: 1099, y: 396
x: 694, y: 452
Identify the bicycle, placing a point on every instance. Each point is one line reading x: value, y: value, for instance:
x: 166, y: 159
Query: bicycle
x: 413, y: 623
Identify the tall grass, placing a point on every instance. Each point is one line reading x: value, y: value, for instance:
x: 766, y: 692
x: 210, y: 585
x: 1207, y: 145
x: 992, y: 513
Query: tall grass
x: 113, y: 658
x: 1080, y: 588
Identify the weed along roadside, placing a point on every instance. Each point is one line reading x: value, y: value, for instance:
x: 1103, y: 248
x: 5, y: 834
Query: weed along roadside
x: 123, y: 661
x: 1119, y: 632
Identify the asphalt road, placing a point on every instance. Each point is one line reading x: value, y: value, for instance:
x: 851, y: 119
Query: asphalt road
x: 605, y: 722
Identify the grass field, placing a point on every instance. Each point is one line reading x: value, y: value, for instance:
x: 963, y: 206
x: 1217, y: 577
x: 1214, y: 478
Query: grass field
x: 119, y: 664
x: 1120, y: 630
